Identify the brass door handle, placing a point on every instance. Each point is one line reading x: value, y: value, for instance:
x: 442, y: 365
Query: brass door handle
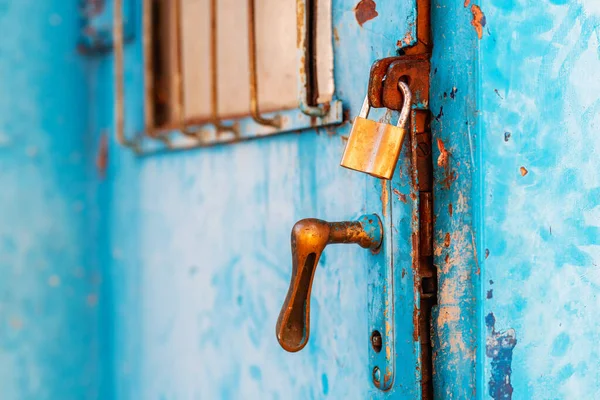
x: 309, y: 239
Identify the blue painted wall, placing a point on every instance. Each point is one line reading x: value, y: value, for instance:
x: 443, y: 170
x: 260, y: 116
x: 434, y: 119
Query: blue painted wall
x: 518, y: 251
x: 540, y: 112
x: 51, y: 346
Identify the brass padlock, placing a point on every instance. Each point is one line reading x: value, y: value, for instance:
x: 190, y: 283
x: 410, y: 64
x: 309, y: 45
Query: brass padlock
x: 374, y: 147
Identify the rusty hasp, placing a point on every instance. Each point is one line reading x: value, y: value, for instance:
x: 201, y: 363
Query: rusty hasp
x: 385, y: 74
x: 412, y: 67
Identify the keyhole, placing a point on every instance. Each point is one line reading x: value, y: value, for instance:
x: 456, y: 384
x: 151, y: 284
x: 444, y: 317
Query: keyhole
x: 376, y: 341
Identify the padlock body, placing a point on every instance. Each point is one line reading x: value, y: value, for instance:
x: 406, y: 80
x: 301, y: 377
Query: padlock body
x: 373, y: 148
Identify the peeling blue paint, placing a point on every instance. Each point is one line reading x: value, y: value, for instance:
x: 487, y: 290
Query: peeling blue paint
x: 499, y: 347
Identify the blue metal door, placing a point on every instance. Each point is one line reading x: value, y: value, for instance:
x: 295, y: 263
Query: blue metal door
x: 161, y: 276
x: 199, y: 247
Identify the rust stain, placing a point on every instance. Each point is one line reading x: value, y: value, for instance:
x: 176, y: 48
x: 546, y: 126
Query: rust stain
x: 385, y: 196
x: 401, y: 197
x: 92, y: 300
x: 16, y: 323
x: 462, y: 246
x: 467, y: 2
x: 413, y: 196
x: 450, y: 177
x: 450, y: 209
x: 478, y: 20
x: 365, y: 11
x: 330, y: 130
x: 523, y: 171
x: 442, y: 160
x: 453, y: 291
x: 299, y: 23
x: 416, y: 319
x: 447, y: 239
x: 102, y: 156
x: 336, y: 35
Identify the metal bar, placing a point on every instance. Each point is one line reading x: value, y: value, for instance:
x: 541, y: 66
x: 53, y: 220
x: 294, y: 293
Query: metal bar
x: 214, y: 72
x: 254, y: 107
x: 185, y: 130
x: 214, y: 95
x: 176, y: 21
x: 119, y: 78
x: 291, y: 121
x: 148, y: 66
x: 307, y: 82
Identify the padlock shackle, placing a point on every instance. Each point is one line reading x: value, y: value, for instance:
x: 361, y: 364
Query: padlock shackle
x: 406, y: 107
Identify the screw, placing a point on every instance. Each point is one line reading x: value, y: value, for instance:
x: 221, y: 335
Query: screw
x: 376, y: 376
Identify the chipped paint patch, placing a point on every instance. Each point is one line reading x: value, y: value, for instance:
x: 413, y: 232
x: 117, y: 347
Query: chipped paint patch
x: 523, y: 171
x: 401, y: 196
x: 406, y: 41
x: 499, y: 347
x: 478, y: 20
x: 102, y: 155
x: 442, y: 160
x: 385, y: 197
x: 365, y: 11
x: 453, y: 92
x: 467, y: 2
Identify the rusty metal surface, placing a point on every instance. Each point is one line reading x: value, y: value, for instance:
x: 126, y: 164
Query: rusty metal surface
x: 308, y: 240
x: 161, y: 135
x: 308, y: 89
x: 413, y: 67
x: 384, y: 76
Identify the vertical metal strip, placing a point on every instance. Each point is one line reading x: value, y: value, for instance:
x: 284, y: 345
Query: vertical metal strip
x: 119, y: 78
x: 254, y: 106
x: 306, y: 13
x: 195, y: 133
x: 178, y: 27
x: 214, y: 64
x: 148, y: 66
x: 214, y: 72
